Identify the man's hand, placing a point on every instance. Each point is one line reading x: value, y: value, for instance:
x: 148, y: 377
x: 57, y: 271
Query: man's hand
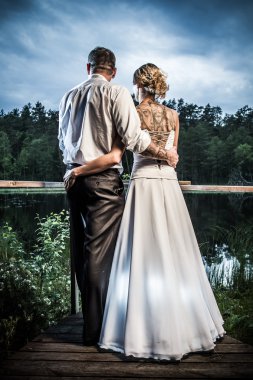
x: 172, y: 157
x: 69, y: 179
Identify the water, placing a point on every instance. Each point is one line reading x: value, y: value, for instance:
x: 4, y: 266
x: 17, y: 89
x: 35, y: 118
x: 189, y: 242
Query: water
x: 19, y: 210
x: 207, y: 211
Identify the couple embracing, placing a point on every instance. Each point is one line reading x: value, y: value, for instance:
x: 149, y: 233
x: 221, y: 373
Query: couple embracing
x: 142, y: 281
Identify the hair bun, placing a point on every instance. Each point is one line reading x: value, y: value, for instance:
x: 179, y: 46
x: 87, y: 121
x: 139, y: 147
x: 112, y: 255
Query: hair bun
x: 152, y: 79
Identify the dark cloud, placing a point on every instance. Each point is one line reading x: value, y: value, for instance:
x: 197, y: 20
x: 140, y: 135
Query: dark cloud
x: 44, y: 45
x: 15, y: 8
x: 212, y: 24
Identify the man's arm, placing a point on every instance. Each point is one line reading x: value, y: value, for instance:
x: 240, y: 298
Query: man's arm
x: 159, y: 153
x: 97, y: 165
x: 127, y: 122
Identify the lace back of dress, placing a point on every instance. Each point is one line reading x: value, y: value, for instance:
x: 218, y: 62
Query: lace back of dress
x: 158, y: 120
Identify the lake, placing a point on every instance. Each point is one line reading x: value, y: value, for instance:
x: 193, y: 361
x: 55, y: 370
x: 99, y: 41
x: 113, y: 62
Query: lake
x: 207, y: 211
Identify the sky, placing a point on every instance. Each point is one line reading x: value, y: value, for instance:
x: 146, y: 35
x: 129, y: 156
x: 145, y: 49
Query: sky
x: 205, y: 47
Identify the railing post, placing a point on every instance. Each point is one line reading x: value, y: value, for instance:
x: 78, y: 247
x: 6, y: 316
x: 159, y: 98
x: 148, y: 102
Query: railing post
x: 75, y: 307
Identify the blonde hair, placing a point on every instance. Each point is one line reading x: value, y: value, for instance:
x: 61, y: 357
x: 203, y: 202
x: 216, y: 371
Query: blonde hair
x: 152, y: 79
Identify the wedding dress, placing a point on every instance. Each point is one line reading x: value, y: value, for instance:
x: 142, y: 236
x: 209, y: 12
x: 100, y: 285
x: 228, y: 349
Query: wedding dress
x: 159, y: 303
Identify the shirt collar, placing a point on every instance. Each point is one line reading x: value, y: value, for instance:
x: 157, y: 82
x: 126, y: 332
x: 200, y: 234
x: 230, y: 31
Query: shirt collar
x: 98, y: 76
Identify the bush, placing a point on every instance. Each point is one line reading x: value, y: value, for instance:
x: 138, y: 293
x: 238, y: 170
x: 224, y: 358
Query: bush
x: 236, y: 308
x: 34, y: 286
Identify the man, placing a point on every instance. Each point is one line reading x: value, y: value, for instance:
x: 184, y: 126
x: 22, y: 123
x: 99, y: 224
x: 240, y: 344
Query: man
x: 91, y: 115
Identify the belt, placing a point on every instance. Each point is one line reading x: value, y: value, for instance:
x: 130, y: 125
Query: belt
x: 73, y: 165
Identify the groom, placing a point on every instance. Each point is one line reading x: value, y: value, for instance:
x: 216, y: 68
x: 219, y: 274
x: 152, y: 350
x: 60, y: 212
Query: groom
x: 91, y: 115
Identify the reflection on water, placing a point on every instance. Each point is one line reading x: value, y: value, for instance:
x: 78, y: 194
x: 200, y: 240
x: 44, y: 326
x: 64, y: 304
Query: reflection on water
x: 20, y: 210
x: 225, y: 267
x: 207, y: 211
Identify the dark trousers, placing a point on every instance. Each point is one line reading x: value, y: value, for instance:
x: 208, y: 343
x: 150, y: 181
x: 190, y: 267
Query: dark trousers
x: 96, y: 206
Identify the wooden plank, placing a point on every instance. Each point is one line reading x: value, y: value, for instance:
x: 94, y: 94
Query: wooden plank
x: 227, y: 339
x: 72, y: 317
x: 71, y: 322
x: 116, y: 357
x: 16, y: 184
x: 77, y: 337
x: 70, y: 331
x: 234, y: 348
x: 63, y: 329
x: 34, y: 377
x: 217, y: 188
x: 78, y: 347
x: 57, y: 347
x: 27, y: 184
x: 123, y: 369
x: 74, y: 338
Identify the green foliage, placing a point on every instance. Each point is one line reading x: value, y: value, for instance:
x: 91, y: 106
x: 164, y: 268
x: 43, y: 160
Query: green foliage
x: 126, y: 176
x: 34, y: 286
x: 211, y: 146
x: 6, y: 156
x: 28, y: 139
x: 231, y: 276
x: 243, y: 154
x: 237, y: 309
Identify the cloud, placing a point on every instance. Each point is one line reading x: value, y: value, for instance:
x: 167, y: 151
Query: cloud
x: 13, y: 8
x: 205, y: 48
x: 198, y: 79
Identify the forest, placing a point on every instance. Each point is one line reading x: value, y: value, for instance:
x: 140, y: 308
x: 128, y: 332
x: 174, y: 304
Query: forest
x: 213, y: 148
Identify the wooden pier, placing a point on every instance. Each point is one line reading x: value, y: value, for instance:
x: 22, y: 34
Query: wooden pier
x: 59, y: 353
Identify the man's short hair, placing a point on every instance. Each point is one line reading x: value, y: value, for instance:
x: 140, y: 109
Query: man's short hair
x: 102, y: 59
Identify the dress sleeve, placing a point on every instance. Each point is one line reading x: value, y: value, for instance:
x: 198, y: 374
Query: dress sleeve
x: 128, y: 123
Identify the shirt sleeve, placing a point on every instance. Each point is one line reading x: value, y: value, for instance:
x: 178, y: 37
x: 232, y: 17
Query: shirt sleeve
x: 60, y: 129
x: 64, y: 116
x: 128, y: 124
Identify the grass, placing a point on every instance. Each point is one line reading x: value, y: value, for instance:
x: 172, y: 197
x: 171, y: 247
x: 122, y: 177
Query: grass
x: 237, y: 310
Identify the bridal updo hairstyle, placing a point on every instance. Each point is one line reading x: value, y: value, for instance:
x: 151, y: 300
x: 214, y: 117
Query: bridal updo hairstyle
x: 152, y: 79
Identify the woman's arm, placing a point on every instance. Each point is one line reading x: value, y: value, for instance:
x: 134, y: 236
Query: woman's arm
x: 95, y: 166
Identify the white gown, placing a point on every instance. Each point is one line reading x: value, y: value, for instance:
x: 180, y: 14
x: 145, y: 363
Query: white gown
x: 159, y: 304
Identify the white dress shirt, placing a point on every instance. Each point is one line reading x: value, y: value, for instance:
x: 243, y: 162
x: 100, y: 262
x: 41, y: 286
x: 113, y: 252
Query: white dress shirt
x: 92, y: 114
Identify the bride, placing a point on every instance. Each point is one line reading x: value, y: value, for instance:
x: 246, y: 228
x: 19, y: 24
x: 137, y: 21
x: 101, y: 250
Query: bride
x: 159, y: 303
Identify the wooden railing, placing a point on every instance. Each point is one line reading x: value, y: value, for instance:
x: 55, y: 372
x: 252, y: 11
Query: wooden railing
x: 29, y: 184
x: 186, y: 186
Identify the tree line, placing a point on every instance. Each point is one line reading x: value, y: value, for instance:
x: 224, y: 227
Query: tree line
x: 212, y: 148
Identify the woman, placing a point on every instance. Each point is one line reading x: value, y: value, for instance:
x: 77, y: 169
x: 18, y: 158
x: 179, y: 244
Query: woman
x: 159, y: 303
